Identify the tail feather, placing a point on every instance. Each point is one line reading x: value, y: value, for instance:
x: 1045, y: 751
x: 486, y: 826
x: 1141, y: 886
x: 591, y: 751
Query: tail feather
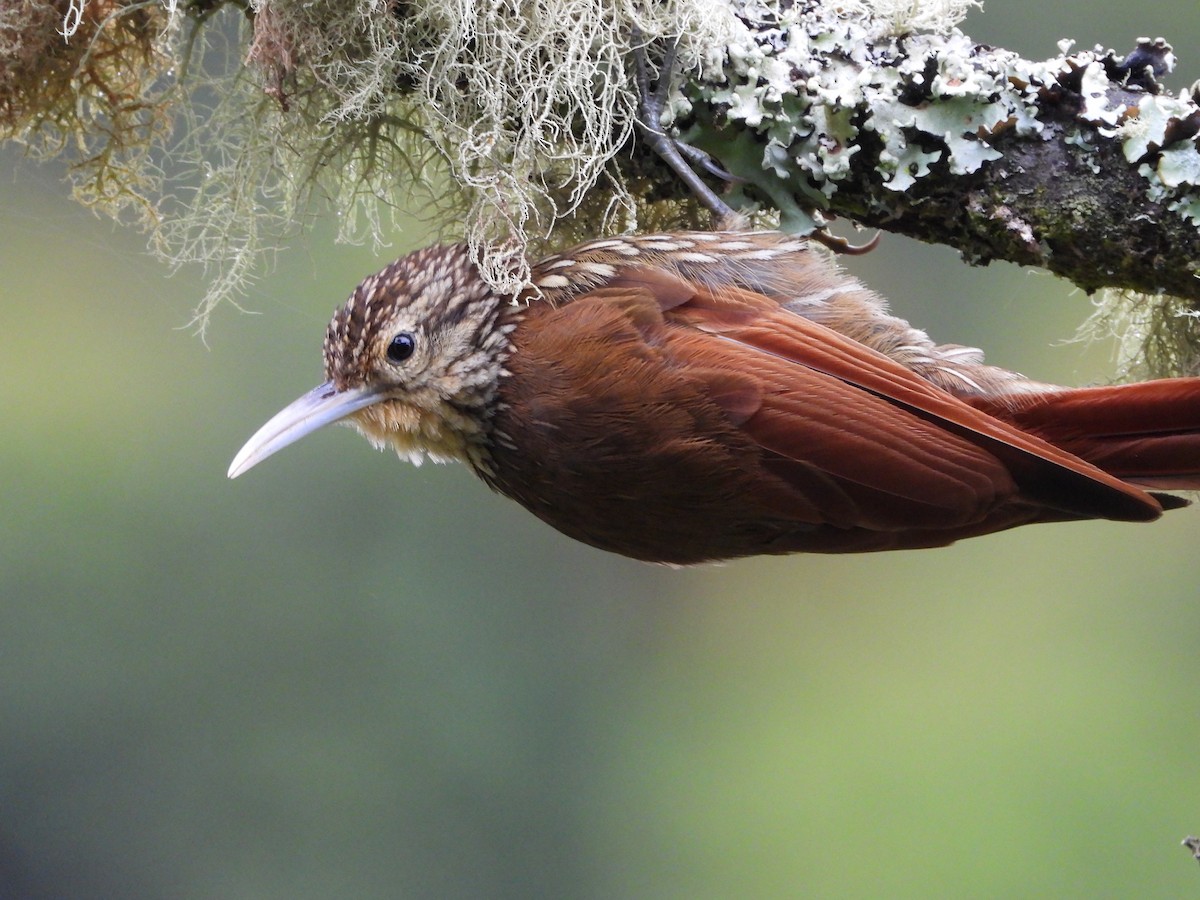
x: 1146, y: 434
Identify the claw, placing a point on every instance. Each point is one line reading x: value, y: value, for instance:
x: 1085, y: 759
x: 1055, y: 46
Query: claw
x: 676, y: 154
x: 698, y: 157
x: 670, y: 149
x: 843, y: 246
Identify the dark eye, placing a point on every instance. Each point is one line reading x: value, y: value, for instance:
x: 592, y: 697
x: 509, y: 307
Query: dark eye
x: 401, y: 347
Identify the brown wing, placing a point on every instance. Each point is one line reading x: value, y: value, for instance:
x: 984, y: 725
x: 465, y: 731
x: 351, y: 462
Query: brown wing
x: 866, y: 410
x: 668, y: 422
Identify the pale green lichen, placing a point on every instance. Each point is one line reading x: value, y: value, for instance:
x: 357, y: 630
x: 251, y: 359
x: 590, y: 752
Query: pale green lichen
x: 529, y: 104
x: 1147, y: 131
x: 1158, y: 134
x: 506, y: 116
x: 809, y: 87
x: 810, y: 79
x: 509, y: 117
x: 904, y: 16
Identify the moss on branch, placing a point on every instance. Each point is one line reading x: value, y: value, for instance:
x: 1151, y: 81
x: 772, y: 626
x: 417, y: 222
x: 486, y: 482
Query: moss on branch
x: 219, y: 124
x: 1080, y: 164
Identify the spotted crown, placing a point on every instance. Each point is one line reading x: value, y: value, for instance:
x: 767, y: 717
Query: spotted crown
x: 436, y: 285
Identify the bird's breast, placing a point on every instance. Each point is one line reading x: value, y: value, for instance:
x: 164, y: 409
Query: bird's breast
x: 598, y: 433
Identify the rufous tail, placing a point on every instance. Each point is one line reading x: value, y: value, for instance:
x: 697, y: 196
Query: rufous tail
x: 1146, y: 434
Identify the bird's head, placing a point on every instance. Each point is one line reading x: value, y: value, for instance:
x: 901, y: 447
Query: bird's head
x: 412, y: 361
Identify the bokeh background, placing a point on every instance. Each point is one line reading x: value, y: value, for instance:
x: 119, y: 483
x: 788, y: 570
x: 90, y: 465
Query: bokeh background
x: 341, y: 676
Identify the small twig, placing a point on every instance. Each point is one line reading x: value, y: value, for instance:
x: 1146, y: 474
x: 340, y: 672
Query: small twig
x: 1193, y: 844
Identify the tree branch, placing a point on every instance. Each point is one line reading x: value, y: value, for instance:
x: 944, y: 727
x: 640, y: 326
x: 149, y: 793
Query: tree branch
x: 878, y: 111
x: 1079, y: 164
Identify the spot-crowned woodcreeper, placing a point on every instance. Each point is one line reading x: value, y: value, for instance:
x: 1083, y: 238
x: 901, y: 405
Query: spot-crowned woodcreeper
x: 699, y: 396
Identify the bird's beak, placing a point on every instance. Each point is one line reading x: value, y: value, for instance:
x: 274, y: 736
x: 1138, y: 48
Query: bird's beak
x: 319, y: 407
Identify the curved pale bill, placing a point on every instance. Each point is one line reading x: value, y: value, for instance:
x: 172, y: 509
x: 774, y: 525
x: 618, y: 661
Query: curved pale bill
x: 319, y: 407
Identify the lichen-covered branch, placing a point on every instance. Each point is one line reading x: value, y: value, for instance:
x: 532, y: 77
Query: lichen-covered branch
x: 1081, y: 164
x: 219, y: 124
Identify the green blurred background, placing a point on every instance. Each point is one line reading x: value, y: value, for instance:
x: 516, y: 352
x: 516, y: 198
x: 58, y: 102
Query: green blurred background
x: 341, y: 676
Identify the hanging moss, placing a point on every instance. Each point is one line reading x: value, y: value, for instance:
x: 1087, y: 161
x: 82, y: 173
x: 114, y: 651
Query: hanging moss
x: 223, y: 125
x: 86, y: 78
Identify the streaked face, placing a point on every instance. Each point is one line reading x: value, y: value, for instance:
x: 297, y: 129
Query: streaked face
x: 411, y: 360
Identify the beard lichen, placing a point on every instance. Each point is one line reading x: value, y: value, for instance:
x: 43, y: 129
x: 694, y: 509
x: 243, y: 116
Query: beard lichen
x: 1155, y: 336
x: 524, y: 104
x: 87, y: 79
x: 225, y: 124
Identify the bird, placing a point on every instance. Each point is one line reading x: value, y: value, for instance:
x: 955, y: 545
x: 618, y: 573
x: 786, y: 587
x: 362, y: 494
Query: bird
x: 690, y: 397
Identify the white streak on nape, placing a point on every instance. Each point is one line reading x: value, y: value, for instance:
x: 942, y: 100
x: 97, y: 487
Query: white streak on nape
x: 553, y: 281
x: 766, y: 253
x: 816, y: 298
x: 961, y: 377
x: 970, y: 354
x: 604, y: 270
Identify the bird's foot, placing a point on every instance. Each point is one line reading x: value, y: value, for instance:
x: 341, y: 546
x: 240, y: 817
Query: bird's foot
x: 674, y: 152
x: 681, y: 157
x: 843, y: 246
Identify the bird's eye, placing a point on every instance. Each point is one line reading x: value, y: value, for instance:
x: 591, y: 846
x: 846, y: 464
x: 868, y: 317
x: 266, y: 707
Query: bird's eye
x: 401, y: 347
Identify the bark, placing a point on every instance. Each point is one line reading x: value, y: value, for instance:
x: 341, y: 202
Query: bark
x: 1080, y: 164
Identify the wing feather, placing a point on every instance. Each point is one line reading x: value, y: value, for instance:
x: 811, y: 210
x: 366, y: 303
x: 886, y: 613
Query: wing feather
x: 1045, y: 472
x: 672, y: 421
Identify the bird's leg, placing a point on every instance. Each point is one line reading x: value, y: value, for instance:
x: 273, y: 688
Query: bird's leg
x: 669, y: 148
x: 681, y: 156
